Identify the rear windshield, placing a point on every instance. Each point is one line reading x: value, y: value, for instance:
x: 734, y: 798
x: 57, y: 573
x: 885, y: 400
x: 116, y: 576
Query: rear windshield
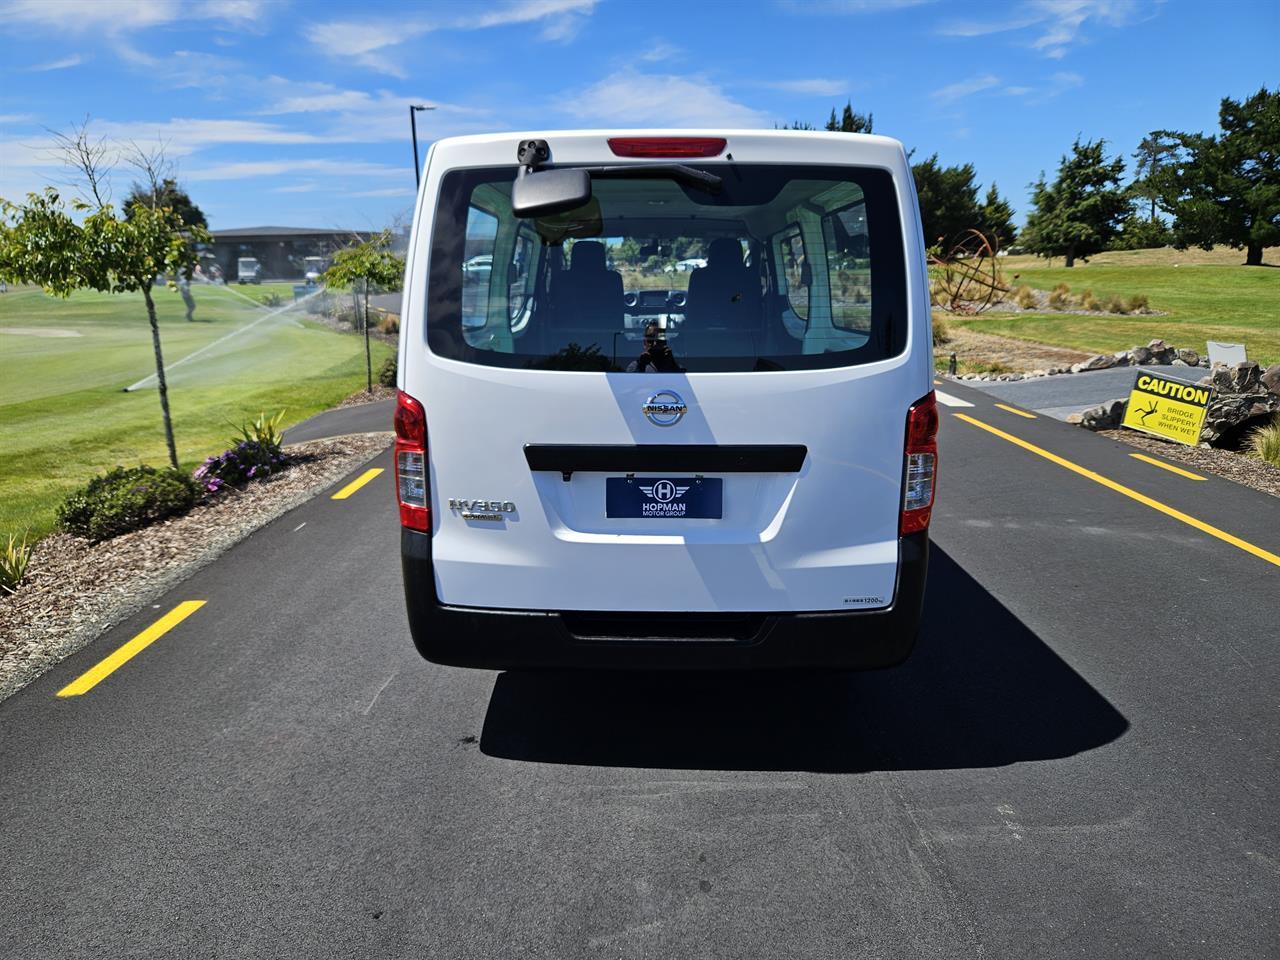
x: 786, y: 267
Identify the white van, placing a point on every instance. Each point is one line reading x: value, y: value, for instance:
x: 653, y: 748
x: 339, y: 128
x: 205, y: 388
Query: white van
x: 603, y: 462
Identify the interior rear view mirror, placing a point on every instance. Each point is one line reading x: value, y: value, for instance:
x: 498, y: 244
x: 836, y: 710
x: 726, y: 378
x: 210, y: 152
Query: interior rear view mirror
x: 545, y: 193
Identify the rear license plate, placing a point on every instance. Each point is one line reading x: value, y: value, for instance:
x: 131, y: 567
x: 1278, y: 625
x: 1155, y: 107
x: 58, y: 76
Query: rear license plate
x: 664, y: 498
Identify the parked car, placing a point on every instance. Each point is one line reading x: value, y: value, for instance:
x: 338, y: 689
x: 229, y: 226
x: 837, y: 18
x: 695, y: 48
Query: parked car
x: 740, y: 475
x: 248, y: 270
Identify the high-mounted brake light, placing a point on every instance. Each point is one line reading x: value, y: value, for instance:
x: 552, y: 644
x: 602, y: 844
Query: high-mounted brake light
x: 411, y: 463
x: 921, y: 467
x: 667, y: 146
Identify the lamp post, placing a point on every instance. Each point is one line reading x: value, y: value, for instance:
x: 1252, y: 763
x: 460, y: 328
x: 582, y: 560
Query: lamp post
x: 413, y: 126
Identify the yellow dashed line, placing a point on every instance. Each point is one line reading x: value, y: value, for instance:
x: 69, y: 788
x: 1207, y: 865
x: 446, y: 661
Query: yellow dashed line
x: 1166, y: 466
x: 356, y: 484
x: 122, y: 655
x: 1127, y: 491
x: 1015, y: 410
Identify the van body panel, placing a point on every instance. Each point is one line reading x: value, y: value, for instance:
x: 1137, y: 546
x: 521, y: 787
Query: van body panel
x: 820, y: 539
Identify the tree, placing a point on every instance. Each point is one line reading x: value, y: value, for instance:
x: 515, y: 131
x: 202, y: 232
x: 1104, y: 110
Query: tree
x: 996, y: 218
x: 1149, y: 159
x: 850, y: 122
x: 1226, y: 188
x: 367, y: 263
x: 1080, y: 213
x: 948, y: 200
x: 41, y: 243
x: 166, y: 193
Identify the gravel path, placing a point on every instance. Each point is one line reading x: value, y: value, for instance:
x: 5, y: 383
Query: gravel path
x: 75, y: 590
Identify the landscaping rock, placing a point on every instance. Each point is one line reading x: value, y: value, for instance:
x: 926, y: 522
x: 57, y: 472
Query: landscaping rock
x: 1105, y: 416
x: 1228, y: 410
x: 1221, y: 379
x: 1189, y: 357
x: 1140, y: 355
x: 1123, y: 358
x: 1161, y: 352
x: 1270, y: 379
x: 1179, y: 362
x: 1246, y: 376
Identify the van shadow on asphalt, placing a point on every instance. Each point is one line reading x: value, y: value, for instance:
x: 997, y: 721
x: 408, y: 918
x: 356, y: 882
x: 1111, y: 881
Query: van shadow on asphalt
x: 980, y: 690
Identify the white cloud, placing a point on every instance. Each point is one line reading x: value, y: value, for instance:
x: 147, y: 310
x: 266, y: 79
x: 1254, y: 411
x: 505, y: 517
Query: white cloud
x: 965, y: 88
x: 114, y: 17
x: 1057, y: 84
x: 250, y: 169
x: 182, y: 136
x: 661, y: 100
x: 386, y: 192
x: 659, y: 50
x: 61, y: 64
x: 1059, y: 23
x: 12, y: 118
x: 372, y: 43
x: 816, y: 86
x: 851, y: 6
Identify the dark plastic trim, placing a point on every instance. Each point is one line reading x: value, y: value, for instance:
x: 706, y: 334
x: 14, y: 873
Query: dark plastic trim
x: 541, y: 639
x: 566, y: 458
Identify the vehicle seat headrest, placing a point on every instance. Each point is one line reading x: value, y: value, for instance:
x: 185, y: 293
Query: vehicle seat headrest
x: 588, y: 256
x: 724, y: 252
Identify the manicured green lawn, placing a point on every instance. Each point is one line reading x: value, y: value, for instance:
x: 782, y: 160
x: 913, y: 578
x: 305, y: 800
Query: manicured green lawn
x: 1224, y: 302
x: 64, y: 415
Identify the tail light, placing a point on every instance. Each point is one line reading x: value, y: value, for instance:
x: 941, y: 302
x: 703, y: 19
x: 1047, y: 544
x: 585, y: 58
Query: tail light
x: 667, y: 146
x: 921, y: 465
x: 411, y: 463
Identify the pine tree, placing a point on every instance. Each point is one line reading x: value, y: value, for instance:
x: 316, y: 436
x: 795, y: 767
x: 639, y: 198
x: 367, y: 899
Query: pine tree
x: 997, y: 218
x: 1226, y: 188
x: 1080, y: 213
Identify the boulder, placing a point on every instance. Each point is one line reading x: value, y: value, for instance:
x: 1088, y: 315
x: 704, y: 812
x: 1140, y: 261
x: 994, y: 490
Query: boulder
x: 1140, y: 355
x: 1100, y: 362
x: 1270, y: 379
x: 1123, y: 358
x: 1246, y: 376
x: 1161, y: 352
x: 1227, y: 411
x: 1222, y: 380
x: 1105, y: 416
x: 1179, y: 362
x: 1189, y: 357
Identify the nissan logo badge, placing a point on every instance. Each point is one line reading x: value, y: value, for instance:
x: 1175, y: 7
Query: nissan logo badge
x: 665, y: 408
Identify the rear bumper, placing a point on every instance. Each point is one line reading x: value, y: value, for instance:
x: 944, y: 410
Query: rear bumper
x: 527, y: 639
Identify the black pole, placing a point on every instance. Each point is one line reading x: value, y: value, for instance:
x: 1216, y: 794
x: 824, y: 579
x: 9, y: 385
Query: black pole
x: 413, y: 125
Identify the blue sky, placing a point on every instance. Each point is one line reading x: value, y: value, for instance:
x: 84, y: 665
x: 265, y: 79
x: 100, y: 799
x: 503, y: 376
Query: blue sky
x: 295, y: 113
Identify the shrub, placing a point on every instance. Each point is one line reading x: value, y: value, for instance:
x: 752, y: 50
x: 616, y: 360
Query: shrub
x: 1117, y: 305
x: 1089, y: 302
x: 127, y: 498
x: 940, y: 332
x: 273, y: 299
x: 387, y: 375
x: 247, y: 460
x: 1060, y: 298
x: 263, y: 430
x: 1264, y: 443
x: 14, y: 558
x: 389, y: 325
x: 1025, y: 297
x: 1138, y: 303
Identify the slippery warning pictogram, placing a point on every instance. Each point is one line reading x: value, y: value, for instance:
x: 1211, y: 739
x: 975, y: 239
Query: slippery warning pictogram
x: 1167, y: 407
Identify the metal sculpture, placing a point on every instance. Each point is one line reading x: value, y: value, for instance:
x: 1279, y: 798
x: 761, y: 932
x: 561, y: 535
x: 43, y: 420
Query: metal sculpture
x: 967, y: 279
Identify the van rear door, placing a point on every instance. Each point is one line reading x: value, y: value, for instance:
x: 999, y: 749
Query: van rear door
x: 608, y: 430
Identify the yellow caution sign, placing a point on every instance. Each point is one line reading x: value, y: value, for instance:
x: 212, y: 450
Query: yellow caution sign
x: 1167, y: 408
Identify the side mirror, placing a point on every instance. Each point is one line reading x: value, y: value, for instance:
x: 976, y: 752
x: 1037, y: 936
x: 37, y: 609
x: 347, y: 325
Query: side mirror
x: 548, y: 192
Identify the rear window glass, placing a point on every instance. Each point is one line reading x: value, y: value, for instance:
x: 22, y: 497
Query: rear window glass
x: 786, y: 267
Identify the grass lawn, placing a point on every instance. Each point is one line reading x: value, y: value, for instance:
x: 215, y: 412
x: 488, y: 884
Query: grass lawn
x: 64, y: 363
x: 1205, y: 296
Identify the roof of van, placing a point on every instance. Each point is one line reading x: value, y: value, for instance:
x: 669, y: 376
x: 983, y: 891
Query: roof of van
x: 868, y: 147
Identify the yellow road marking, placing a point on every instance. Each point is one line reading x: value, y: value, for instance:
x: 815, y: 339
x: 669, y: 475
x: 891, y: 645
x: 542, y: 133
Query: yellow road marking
x: 1128, y: 492
x: 1015, y: 410
x: 123, y: 654
x: 1166, y: 466
x: 356, y: 484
